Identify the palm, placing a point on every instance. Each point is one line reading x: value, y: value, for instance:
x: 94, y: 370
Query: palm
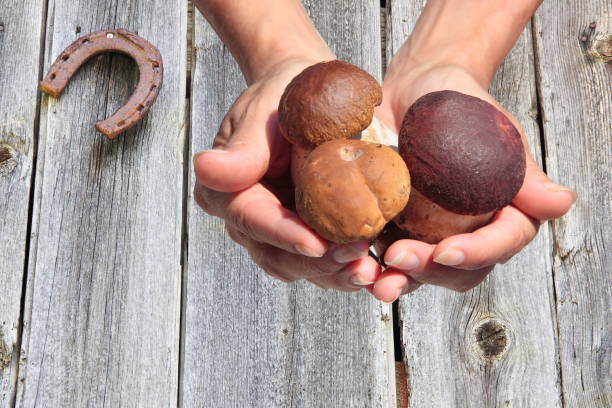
x: 509, y: 231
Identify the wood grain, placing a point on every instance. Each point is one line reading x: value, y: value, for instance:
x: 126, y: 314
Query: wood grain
x: 20, y: 42
x: 576, y: 96
x: 494, y: 345
x: 251, y: 340
x: 103, y: 288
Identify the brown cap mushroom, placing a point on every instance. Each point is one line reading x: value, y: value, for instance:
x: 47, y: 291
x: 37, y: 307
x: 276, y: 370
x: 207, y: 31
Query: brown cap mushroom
x: 327, y: 101
x: 348, y: 190
x: 465, y: 158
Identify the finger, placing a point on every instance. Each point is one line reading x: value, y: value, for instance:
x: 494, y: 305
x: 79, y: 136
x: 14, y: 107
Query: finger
x: 509, y: 231
x: 392, y: 284
x: 359, y: 273
x: 540, y: 197
x: 415, y: 259
x: 244, y: 158
x: 295, y: 267
x: 257, y: 213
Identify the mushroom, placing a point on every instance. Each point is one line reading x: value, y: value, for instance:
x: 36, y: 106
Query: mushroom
x: 466, y: 160
x: 347, y: 190
x: 327, y: 101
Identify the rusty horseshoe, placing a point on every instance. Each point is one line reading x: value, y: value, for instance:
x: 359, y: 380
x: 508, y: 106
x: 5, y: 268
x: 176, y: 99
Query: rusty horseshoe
x: 146, y: 56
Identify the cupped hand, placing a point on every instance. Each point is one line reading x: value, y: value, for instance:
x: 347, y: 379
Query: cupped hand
x: 462, y: 261
x: 245, y: 180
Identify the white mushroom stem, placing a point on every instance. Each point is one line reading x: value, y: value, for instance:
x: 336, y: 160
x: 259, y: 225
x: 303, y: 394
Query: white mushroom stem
x: 377, y: 132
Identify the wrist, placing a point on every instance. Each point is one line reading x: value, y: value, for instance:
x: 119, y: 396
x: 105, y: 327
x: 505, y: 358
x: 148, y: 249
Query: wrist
x: 471, y: 34
x: 262, y: 34
x: 269, y: 54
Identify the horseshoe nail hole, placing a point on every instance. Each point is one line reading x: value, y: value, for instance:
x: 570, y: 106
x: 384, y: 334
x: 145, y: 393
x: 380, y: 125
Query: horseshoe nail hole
x: 153, y: 87
x: 110, y: 35
x: 155, y: 64
x: 52, y: 76
x: 121, y: 123
x: 65, y: 57
x: 140, y: 108
x: 492, y: 339
x: 350, y: 153
x: 85, y: 41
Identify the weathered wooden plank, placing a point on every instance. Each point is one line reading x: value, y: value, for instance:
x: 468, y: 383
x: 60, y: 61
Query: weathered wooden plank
x: 250, y: 340
x: 495, y: 345
x: 576, y: 98
x: 21, y: 26
x: 103, y: 288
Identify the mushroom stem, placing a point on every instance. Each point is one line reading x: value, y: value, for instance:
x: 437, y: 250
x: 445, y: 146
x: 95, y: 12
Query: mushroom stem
x: 426, y: 221
x: 377, y: 132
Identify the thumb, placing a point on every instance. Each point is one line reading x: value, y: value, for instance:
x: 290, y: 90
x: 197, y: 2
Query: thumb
x: 241, y: 162
x: 540, y: 197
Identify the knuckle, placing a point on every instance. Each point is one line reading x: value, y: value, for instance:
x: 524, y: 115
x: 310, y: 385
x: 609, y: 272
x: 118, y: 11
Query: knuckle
x: 321, y: 284
x: 206, y: 198
x: 279, y: 277
x: 316, y: 268
x: 240, y: 220
x: 235, y: 235
x: 263, y: 258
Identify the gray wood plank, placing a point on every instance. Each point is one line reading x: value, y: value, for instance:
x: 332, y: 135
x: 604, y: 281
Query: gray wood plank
x: 577, y: 110
x: 251, y: 340
x: 103, y: 289
x: 495, y: 345
x: 21, y: 26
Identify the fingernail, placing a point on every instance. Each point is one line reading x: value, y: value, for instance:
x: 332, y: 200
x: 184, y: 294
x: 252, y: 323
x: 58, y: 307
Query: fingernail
x: 198, y: 154
x: 397, y: 295
x: 557, y: 188
x: 304, y: 250
x: 359, y: 281
x: 405, y: 260
x: 348, y: 253
x: 450, y: 257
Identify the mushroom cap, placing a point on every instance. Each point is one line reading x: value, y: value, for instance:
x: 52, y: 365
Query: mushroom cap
x: 463, y: 153
x: 327, y: 101
x: 348, y: 190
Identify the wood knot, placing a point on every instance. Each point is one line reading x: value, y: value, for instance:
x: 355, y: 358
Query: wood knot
x: 601, y: 48
x: 5, y: 356
x: 7, y: 159
x: 491, y: 336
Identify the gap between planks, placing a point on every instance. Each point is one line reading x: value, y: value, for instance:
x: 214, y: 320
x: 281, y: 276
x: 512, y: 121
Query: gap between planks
x: 186, y: 169
x: 26, y: 260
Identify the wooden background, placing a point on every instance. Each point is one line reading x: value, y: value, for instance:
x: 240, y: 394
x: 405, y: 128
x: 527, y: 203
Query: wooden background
x: 116, y: 289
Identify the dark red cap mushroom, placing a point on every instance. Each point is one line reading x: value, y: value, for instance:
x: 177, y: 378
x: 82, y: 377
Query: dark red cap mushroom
x: 463, y: 153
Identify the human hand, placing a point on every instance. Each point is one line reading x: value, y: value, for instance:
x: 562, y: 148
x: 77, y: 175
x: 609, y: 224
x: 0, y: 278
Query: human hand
x: 246, y: 181
x: 462, y: 261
